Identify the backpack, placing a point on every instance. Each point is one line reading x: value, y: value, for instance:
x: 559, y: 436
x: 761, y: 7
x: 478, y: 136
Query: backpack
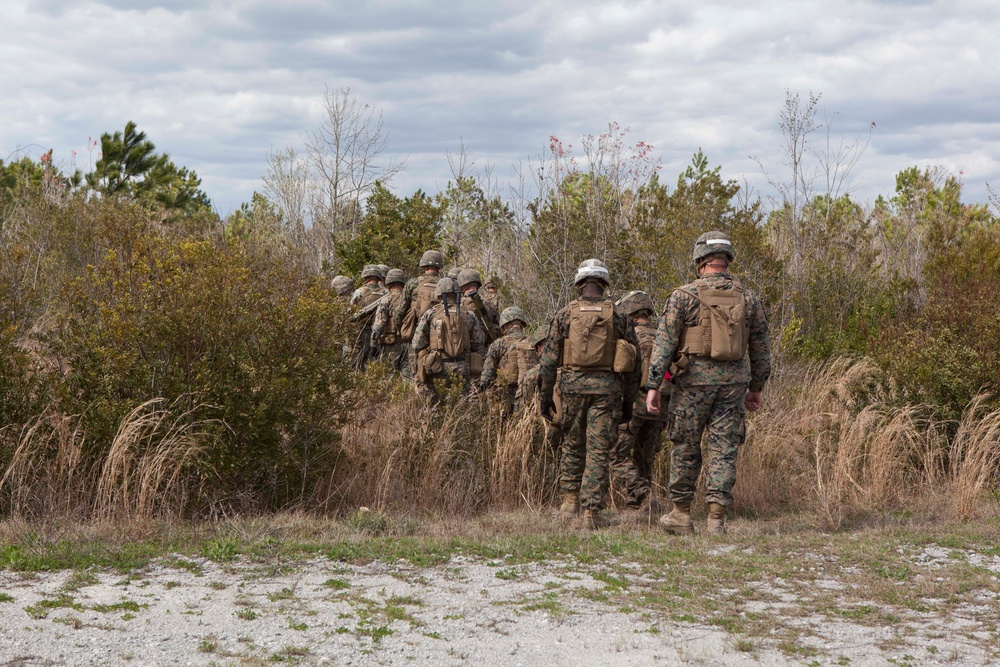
x: 591, y: 341
x: 647, y: 337
x: 450, y: 332
x: 421, y: 299
x: 517, y: 360
x: 722, y: 333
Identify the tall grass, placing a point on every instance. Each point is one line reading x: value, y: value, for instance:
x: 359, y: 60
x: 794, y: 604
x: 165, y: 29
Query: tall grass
x: 832, y: 441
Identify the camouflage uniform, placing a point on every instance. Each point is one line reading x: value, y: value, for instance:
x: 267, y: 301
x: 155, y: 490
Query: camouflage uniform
x: 709, y: 394
x: 455, y: 369
x: 406, y: 301
x: 494, y: 356
x: 393, y: 347
x: 364, y: 296
x: 641, y: 439
x: 591, y: 408
x: 524, y: 399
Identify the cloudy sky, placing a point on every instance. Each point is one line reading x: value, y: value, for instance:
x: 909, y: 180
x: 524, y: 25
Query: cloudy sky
x: 220, y: 84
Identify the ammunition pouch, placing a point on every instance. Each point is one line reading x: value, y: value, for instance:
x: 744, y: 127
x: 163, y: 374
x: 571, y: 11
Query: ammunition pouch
x: 624, y: 361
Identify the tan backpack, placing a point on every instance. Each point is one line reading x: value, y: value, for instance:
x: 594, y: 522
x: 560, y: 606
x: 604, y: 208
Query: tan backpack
x: 421, y: 301
x: 591, y: 341
x: 389, y: 334
x: 647, y: 337
x: 450, y: 332
x: 517, y: 360
x: 722, y: 333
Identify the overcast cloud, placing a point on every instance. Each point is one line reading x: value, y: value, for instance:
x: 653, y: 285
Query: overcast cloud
x: 218, y: 85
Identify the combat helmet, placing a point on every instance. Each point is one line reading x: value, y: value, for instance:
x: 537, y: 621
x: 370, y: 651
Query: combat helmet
x: 635, y: 301
x: 384, y: 268
x: 592, y: 268
x: 513, y: 314
x: 444, y: 287
x: 432, y: 258
x: 467, y: 276
x: 540, y: 336
x: 371, y: 271
x: 453, y: 272
x: 712, y: 243
x: 342, y: 285
x: 395, y: 276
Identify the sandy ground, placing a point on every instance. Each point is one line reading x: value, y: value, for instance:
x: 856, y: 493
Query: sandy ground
x: 465, y: 612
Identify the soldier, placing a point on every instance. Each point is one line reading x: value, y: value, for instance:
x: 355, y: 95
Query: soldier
x: 418, y: 295
x: 469, y: 281
x: 714, y: 333
x: 509, y: 357
x: 446, y: 336
x: 639, y: 440
x: 384, y: 270
x: 527, y: 392
x: 370, y: 292
x: 390, y: 345
x: 596, y: 348
x: 343, y: 286
x: 491, y: 293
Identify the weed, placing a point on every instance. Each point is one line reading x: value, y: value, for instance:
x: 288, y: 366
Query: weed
x: 247, y: 614
x: 337, y: 584
x: 6, y: 597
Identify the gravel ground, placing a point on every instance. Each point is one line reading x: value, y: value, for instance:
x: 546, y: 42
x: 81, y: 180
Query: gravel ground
x: 465, y: 612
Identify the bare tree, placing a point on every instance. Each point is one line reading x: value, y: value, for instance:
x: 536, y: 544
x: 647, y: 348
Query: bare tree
x: 287, y: 186
x: 344, y: 154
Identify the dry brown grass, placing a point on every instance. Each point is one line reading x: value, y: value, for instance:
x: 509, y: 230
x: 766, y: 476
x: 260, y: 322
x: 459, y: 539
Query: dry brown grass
x: 833, y: 440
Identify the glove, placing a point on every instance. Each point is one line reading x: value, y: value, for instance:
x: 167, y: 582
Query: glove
x: 626, y: 412
x: 547, y: 407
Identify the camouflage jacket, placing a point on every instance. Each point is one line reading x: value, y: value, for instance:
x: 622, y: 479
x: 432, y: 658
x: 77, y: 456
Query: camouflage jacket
x: 527, y: 389
x: 681, y: 312
x: 383, y: 324
x: 495, y: 354
x: 422, y: 336
x: 582, y: 381
x: 404, y: 303
x: 366, y: 295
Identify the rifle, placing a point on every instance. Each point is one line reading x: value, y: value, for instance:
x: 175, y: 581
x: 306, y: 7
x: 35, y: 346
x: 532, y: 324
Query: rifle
x: 370, y: 309
x: 480, y: 311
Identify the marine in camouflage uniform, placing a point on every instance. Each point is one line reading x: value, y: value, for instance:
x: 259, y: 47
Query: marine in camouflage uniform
x: 641, y: 439
x: 594, y: 401
x: 431, y: 262
x: 527, y: 393
x: 454, y: 369
x: 469, y: 283
x: 370, y: 292
x: 390, y: 344
x: 343, y: 286
x: 707, y: 393
x: 501, y: 357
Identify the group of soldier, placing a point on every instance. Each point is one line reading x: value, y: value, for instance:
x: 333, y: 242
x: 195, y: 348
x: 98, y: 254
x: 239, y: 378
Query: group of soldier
x: 597, y: 374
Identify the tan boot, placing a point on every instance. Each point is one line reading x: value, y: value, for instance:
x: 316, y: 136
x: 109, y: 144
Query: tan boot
x: 571, y: 505
x: 679, y: 520
x: 716, y: 519
x: 593, y: 519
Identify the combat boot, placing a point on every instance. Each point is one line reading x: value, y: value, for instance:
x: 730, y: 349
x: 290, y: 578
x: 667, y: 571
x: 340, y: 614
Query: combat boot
x: 592, y: 519
x: 571, y: 505
x: 679, y: 520
x: 716, y: 519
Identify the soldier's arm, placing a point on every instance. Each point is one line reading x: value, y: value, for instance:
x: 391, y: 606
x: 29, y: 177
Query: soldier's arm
x: 493, y: 355
x: 758, y: 346
x: 477, y: 339
x: 421, y: 336
x: 667, y: 338
x: 549, y: 360
x: 404, y: 304
x: 380, y: 320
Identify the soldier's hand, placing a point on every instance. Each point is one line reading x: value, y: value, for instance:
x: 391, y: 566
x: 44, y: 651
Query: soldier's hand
x: 546, y: 407
x: 626, y: 412
x: 754, y: 400
x: 653, y: 401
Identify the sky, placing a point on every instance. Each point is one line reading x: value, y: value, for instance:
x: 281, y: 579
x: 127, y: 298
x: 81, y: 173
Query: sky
x: 219, y: 85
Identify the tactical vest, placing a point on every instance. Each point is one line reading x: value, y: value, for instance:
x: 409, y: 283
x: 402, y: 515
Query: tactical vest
x: 590, y: 344
x: 423, y: 296
x: 517, y: 360
x: 450, y: 332
x: 370, y: 296
x: 722, y: 333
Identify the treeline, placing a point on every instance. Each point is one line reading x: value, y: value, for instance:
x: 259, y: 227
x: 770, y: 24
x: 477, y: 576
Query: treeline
x: 159, y: 359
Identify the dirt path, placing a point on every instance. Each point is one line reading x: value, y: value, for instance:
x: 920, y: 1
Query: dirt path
x: 464, y: 612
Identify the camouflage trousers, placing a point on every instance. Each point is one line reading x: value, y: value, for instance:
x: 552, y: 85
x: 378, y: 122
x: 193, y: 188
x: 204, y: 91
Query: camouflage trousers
x: 693, y: 409
x: 362, y: 350
x: 397, y: 355
x: 639, y: 442
x: 589, y: 424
